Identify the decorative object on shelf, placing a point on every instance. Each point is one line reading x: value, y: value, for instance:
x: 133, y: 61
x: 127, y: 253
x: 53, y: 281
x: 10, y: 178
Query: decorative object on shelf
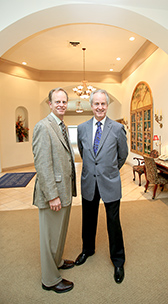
x: 155, y: 137
x: 125, y: 122
x: 158, y: 118
x: 21, y: 131
x: 79, y: 108
x: 83, y: 90
x: 157, y: 142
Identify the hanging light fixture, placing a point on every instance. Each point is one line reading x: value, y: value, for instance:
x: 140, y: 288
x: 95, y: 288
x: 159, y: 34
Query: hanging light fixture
x: 79, y: 108
x: 83, y: 90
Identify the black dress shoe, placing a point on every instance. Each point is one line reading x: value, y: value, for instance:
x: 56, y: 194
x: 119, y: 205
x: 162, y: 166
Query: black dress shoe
x: 61, y: 287
x: 82, y: 257
x: 119, y: 274
x: 67, y: 264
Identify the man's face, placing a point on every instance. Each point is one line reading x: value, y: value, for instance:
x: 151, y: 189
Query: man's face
x: 59, y: 104
x: 99, y: 106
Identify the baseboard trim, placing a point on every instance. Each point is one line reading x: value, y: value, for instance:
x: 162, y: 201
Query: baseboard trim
x: 17, y: 167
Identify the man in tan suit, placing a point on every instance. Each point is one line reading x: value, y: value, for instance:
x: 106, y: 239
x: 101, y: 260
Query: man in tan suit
x: 54, y: 186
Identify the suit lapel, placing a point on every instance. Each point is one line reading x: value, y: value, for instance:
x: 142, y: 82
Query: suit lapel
x: 89, y: 132
x: 57, y: 130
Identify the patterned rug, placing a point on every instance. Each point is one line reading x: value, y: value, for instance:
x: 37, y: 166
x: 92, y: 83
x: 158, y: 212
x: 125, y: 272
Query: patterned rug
x: 14, y: 180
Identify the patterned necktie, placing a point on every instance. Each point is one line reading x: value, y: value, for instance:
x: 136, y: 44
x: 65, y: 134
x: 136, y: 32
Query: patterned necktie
x: 64, y: 133
x: 97, y: 137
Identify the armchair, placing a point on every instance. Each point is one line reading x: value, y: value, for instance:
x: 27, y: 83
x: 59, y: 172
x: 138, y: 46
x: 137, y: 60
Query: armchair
x: 152, y: 175
x: 140, y: 167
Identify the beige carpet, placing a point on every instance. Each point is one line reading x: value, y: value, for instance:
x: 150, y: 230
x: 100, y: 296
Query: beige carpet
x: 145, y: 228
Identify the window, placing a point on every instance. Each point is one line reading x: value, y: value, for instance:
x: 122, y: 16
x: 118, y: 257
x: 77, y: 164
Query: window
x: 73, y: 134
x: 141, y: 120
x: 73, y: 138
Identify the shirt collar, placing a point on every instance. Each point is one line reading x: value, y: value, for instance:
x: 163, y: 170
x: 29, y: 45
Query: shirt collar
x: 102, y: 121
x: 56, y: 118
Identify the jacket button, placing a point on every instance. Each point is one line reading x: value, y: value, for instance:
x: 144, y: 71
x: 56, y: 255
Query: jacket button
x: 94, y: 175
x: 96, y: 164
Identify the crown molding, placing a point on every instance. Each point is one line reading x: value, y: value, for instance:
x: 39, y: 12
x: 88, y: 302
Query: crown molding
x: 77, y: 76
x: 74, y: 113
x: 18, y: 70
x: 146, y: 50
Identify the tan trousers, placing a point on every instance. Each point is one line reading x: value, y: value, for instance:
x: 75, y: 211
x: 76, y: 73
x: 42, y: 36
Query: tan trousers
x: 53, y: 230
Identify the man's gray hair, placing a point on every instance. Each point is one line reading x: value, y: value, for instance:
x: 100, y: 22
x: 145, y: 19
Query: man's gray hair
x: 99, y: 91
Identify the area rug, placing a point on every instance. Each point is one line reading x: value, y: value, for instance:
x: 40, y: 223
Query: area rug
x: 14, y: 180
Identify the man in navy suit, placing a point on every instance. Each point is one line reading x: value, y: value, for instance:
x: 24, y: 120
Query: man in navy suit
x: 103, y: 147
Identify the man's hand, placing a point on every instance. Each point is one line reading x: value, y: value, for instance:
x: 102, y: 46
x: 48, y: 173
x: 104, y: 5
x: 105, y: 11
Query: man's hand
x: 55, y: 204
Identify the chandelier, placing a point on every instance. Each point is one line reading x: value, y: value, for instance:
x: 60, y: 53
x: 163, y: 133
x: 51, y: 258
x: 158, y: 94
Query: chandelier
x: 84, y: 91
x: 79, y: 108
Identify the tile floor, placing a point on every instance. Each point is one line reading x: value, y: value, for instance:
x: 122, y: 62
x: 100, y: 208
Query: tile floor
x: 21, y: 198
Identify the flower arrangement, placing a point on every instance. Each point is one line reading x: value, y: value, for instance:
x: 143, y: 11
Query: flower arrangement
x: 21, y: 131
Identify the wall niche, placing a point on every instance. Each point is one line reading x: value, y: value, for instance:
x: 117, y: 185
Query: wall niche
x: 21, y: 124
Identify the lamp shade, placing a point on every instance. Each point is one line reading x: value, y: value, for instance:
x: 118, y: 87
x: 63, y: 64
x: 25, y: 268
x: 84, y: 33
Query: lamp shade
x: 155, y: 137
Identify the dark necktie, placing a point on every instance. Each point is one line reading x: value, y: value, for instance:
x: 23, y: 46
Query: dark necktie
x: 97, y: 137
x: 64, y: 133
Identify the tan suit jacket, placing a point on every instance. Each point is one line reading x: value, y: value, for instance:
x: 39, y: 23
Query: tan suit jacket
x: 52, y: 161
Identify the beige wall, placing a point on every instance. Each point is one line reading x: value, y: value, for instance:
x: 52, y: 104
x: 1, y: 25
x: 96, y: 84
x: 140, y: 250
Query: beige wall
x: 155, y: 72
x: 16, y: 92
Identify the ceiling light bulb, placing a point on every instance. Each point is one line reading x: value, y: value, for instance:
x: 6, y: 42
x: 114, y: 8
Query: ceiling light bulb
x: 111, y: 70
x: 24, y: 63
x: 118, y: 58
x: 132, y: 38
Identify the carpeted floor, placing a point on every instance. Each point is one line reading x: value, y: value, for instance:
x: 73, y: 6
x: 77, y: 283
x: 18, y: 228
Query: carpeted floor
x: 145, y: 228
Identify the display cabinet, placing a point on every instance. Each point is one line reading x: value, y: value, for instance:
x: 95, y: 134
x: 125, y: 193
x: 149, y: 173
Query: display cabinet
x: 141, y: 120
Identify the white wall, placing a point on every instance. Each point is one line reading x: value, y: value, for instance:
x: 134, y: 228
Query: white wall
x: 146, y: 18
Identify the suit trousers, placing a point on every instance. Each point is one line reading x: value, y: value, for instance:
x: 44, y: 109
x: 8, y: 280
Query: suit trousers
x: 89, y: 227
x: 53, y: 230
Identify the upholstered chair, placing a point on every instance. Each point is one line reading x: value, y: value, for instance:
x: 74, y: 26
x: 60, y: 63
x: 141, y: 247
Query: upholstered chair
x: 152, y: 175
x: 139, y: 168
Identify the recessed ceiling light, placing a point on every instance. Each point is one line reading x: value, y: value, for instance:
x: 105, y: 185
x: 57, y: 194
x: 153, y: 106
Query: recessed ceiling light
x: 111, y: 70
x: 24, y: 63
x: 118, y: 58
x: 132, y: 38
